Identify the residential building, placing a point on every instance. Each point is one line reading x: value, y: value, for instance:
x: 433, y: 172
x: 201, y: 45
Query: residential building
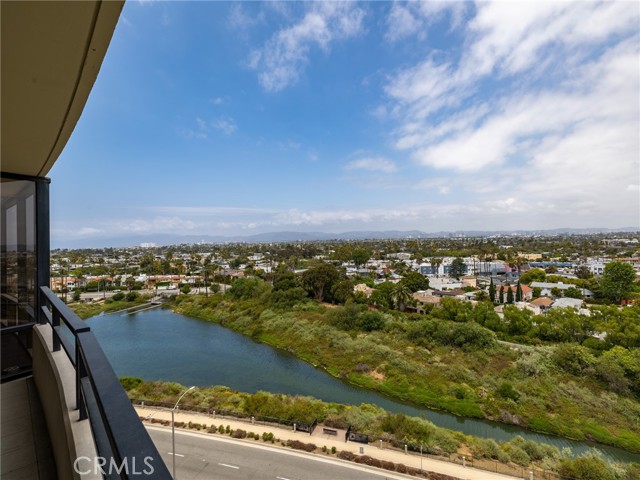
x: 527, y: 292
x: 547, y: 287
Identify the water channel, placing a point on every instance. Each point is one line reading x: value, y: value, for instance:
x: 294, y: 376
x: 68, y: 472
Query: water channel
x: 161, y: 345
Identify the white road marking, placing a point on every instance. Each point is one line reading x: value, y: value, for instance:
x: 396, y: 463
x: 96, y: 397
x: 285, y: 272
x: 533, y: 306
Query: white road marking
x: 229, y: 466
x: 282, y: 478
x: 176, y: 454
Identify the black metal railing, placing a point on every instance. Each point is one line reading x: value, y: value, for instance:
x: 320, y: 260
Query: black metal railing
x: 120, y: 438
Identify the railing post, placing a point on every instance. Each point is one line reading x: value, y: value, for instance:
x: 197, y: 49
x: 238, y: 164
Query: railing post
x: 81, y: 372
x: 55, y: 322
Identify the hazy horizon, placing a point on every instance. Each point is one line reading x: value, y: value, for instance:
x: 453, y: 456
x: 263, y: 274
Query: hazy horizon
x: 221, y: 118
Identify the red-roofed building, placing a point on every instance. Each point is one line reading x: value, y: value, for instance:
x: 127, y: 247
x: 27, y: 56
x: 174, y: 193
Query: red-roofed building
x: 527, y: 292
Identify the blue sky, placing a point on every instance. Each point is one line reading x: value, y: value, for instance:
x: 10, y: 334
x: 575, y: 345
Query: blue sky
x: 240, y: 118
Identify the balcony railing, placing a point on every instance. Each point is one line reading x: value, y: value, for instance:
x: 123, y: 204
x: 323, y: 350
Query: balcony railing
x: 119, y: 436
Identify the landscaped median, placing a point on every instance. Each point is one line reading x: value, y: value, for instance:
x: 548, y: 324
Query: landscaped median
x: 276, y: 436
x: 264, y: 416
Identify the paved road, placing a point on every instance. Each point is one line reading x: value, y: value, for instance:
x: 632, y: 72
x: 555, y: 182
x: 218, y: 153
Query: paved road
x: 210, y: 457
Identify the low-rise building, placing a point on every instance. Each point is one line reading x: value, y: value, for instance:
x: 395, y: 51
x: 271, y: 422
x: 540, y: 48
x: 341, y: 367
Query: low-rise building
x: 546, y: 287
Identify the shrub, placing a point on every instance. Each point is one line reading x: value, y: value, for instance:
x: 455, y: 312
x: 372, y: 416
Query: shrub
x: 298, y: 445
x: 519, y: 456
x: 345, y: 455
x: 118, y: 296
x: 506, y: 390
x: 370, y: 321
x: 239, y: 433
x: 333, y: 450
x: 388, y: 465
x: 129, y: 383
x: 221, y: 429
x: 586, y: 468
x: 132, y: 296
x: 485, y: 448
x: 572, y: 358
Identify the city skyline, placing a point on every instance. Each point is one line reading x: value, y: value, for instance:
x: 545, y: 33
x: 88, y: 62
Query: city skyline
x: 243, y: 118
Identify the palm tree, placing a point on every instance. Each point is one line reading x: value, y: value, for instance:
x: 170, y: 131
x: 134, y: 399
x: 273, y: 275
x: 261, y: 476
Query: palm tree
x: 435, y: 265
x: 401, y: 295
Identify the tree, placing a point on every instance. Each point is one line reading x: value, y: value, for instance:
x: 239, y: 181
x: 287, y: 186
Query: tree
x: 342, y: 291
x: 519, y: 292
x: 457, y: 268
x: 435, y: 265
x: 617, y: 280
x: 583, y: 272
x: 415, y: 281
x: 382, y: 295
x: 501, y: 294
x: 518, y: 321
x: 556, y: 292
x: 492, y: 291
x: 533, y: 275
x: 370, y: 321
x: 573, y: 292
x: 319, y: 280
x: 482, y: 296
x: 509, y: 295
x: 360, y: 256
x: 401, y: 296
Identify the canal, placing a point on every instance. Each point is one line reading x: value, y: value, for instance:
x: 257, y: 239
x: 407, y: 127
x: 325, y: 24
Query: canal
x: 161, y: 345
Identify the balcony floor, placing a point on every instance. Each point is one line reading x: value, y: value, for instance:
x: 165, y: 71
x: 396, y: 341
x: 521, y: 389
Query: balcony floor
x: 25, y: 445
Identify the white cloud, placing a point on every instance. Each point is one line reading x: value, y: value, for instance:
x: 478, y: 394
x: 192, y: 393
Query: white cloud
x: 155, y: 225
x: 282, y: 59
x: 407, y: 19
x: 89, y: 231
x: 542, y: 102
x: 226, y: 125
x: 373, y: 164
x: 239, y: 20
x: 208, y: 210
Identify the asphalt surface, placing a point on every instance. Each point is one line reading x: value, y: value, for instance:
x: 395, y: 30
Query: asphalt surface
x: 210, y: 457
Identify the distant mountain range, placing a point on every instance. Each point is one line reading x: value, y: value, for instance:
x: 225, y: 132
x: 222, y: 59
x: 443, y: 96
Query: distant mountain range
x: 287, y: 236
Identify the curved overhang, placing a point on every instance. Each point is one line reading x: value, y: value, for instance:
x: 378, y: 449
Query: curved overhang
x: 51, y: 55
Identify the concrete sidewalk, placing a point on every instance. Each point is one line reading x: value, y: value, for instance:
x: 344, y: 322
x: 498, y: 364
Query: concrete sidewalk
x: 320, y: 440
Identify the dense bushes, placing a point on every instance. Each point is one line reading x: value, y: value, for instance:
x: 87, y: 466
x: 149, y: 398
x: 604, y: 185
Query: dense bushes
x: 456, y: 366
x: 468, y: 336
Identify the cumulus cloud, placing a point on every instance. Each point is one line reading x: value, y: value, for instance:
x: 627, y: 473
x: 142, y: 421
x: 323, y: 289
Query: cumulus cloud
x: 282, y: 59
x: 372, y: 164
x: 542, y: 101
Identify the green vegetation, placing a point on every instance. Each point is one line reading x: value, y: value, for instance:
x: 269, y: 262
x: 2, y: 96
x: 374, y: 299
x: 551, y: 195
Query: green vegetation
x: 398, y: 429
x: 617, y: 280
x: 110, y: 305
x: 447, y: 360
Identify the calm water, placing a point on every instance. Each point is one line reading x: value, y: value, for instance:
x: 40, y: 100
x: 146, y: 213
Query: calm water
x: 161, y: 345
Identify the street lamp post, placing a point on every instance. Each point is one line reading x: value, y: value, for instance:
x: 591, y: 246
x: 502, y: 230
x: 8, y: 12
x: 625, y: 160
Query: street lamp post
x: 173, y: 430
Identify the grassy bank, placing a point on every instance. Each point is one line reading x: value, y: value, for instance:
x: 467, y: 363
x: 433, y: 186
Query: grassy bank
x: 373, y: 421
x: 88, y: 310
x: 454, y: 367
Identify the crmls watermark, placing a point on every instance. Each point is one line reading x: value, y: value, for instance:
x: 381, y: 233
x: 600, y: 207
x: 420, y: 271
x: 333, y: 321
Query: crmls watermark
x: 109, y: 466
